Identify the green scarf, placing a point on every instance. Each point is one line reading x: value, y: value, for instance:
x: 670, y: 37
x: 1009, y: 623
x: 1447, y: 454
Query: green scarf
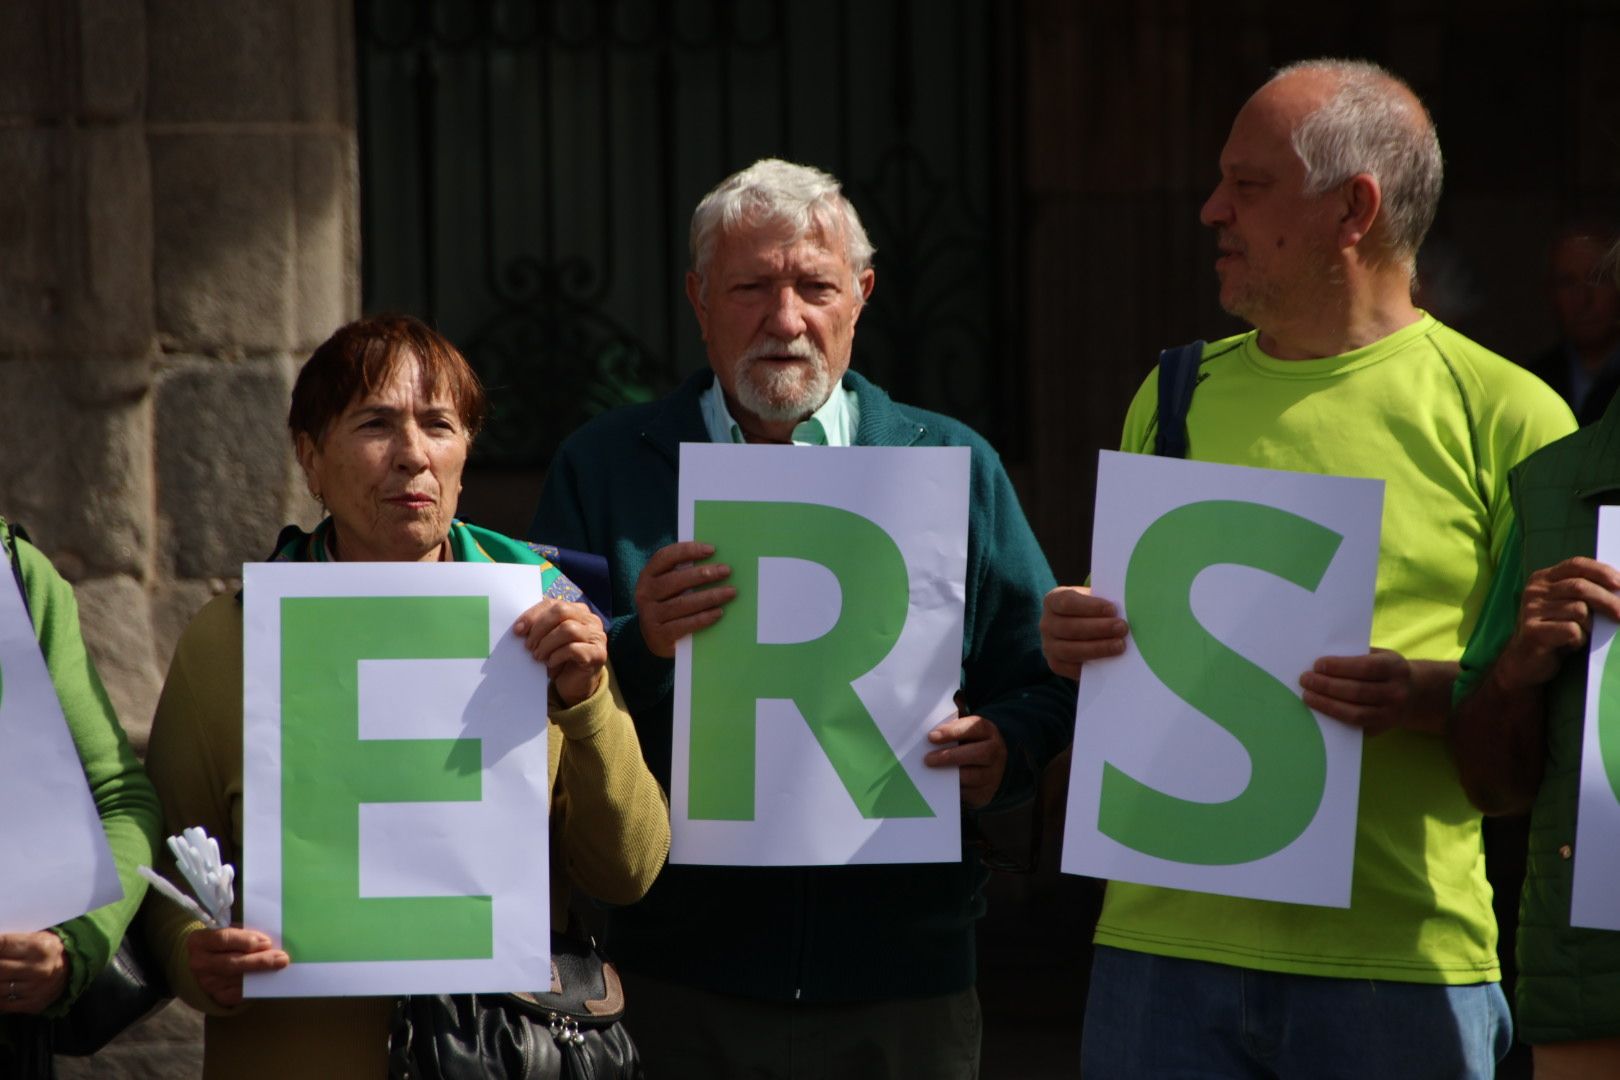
x: 468, y: 543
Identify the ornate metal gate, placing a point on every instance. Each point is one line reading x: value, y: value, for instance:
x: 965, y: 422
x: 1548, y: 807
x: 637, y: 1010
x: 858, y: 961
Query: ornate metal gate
x: 528, y: 168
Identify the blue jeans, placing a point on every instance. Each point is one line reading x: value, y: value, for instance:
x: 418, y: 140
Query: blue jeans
x: 1154, y: 1016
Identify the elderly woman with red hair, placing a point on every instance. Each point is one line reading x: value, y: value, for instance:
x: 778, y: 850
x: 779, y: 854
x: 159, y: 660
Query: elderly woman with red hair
x: 383, y: 415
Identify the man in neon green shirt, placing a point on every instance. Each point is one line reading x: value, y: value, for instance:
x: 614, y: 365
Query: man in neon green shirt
x: 1329, y: 181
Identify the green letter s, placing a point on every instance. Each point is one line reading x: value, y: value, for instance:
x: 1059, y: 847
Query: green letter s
x: 1286, y: 751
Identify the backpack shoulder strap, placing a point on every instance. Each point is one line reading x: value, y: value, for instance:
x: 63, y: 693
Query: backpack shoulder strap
x: 1178, y: 376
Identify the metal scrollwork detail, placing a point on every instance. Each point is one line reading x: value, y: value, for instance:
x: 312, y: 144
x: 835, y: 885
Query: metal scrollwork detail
x: 528, y: 168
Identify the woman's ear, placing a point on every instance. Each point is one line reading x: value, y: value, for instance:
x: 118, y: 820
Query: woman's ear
x: 309, y: 456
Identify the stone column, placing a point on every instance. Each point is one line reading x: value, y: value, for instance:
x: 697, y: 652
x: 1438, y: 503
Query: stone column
x: 250, y: 134
x: 77, y: 335
x: 179, y: 222
x: 180, y: 205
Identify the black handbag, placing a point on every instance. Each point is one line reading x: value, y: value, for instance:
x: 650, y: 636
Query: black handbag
x: 571, y: 1032
x: 123, y: 993
x: 130, y: 988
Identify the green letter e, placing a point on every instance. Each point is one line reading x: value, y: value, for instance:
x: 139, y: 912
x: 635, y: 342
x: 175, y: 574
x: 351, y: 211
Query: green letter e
x: 327, y: 771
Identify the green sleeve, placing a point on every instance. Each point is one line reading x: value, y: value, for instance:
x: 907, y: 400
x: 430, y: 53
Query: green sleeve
x: 124, y: 797
x: 1498, y: 618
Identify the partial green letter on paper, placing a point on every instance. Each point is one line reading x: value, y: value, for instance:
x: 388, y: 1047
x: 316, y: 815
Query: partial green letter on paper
x: 732, y: 670
x: 1284, y: 744
x: 328, y: 771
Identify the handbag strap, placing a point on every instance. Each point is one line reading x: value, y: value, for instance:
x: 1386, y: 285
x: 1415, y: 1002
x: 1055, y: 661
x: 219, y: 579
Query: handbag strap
x: 1178, y: 377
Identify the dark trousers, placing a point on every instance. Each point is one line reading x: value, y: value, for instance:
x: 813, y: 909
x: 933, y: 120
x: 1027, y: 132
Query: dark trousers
x: 689, y: 1034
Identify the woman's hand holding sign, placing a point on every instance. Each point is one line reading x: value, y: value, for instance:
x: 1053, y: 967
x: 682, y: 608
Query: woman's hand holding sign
x: 1555, y: 618
x: 569, y: 639
x: 33, y: 971
x: 219, y: 959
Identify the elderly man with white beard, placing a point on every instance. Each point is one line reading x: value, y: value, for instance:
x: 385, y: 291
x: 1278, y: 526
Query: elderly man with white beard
x: 857, y: 971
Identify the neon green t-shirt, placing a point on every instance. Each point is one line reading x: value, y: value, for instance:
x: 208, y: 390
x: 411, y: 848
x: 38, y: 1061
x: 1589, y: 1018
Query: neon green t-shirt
x: 1440, y: 420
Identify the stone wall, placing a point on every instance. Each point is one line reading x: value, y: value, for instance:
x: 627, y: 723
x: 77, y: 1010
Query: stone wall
x: 178, y: 216
x: 180, y: 213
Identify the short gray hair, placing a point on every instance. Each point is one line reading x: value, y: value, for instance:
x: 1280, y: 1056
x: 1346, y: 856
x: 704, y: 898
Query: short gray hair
x: 1373, y: 123
x: 802, y: 199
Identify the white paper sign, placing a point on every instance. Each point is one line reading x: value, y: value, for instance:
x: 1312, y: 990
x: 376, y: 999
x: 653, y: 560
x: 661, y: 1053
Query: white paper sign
x: 1595, y: 890
x: 801, y: 717
x: 395, y: 809
x: 53, y: 850
x: 1196, y: 764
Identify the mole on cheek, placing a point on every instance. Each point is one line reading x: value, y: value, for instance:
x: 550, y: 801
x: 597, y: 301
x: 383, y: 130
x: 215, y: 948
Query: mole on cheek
x: 1281, y: 242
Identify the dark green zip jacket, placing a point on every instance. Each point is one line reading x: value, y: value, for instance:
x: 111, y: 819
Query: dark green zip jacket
x: 1569, y: 977
x: 844, y: 933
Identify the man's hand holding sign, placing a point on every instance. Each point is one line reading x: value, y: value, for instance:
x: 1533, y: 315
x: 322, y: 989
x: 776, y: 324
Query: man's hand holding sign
x: 1374, y: 692
x: 1078, y: 627
x: 1501, y: 758
x: 979, y: 752
x: 677, y: 594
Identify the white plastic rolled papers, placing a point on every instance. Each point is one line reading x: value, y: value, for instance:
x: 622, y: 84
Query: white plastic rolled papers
x: 1196, y: 763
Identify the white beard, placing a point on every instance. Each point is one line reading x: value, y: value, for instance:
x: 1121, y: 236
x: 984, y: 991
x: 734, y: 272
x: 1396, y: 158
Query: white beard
x: 782, y: 394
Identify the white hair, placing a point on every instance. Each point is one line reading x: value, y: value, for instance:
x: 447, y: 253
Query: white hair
x: 1373, y: 123
x: 801, y: 199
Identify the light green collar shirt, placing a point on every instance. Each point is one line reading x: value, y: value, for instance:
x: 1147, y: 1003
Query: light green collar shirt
x: 833, y: 424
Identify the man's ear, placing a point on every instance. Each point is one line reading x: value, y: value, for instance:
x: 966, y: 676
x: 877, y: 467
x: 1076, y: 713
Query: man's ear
x: 864, y: 282
x: 1363, y: 198
x: 694, y: 296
